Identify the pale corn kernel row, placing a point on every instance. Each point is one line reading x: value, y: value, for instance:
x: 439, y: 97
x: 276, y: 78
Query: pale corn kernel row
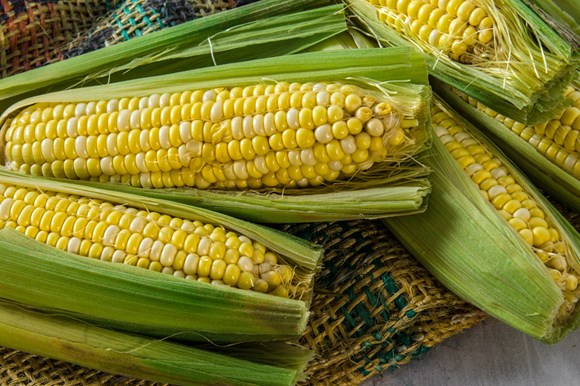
x: 150, y: 240
x: 456, y: 27
x: 558, y: 139
x: 263, y: 135
x: 509, y: 198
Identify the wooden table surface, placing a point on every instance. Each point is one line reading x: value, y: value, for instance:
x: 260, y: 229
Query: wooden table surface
x: 491, y: 354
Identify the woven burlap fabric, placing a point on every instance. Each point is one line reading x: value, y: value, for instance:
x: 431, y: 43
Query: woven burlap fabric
x: 19, y: 369
x: 33, y: 33
x: 134, y: 18
x: 374, y: 307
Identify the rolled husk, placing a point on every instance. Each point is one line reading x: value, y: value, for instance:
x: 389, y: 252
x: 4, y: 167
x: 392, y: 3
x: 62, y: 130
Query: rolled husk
x: 562, y: 15
x: 130, y: 356
x: 264, y: 29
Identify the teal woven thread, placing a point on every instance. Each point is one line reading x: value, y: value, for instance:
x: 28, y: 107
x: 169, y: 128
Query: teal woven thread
x: 144, y: 15
x: 388, y: 358
x: 146, y: 18
x: 360, y: 318
x: 362, y: 313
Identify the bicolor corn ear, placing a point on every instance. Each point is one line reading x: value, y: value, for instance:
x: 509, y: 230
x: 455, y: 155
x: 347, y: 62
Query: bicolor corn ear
x: 499, y: 186
x: 458, y: 28
x: 171, y: 245
x: 502, y: 54
x: 279, y: 135
x: 548, y: 152
x: 295, y: 138
x: 505, y: 248
x: 150, y: 266
x: 557, y: 139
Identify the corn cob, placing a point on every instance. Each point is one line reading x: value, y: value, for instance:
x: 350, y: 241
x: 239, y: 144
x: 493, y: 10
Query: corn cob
x: 119, y: 234
x: 282, y: 135
x: 548, y: 152
x: 264, y: 126
x: 525, y: 215
x: 499, y: 52
x: 146, y: 263
x: 504, y: 248
x: 557, y: 139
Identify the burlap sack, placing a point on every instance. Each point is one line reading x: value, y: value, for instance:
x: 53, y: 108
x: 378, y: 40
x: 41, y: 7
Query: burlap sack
x: 374, y: 308
x: 33, y: 33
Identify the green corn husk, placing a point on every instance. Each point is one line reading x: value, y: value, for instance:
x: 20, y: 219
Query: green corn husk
x: 147, y: 302
x: 530, y: 70
x: 386, y: 189
x: 465, y: 243
x: 562, y: 15
x: 263, y: 29
x: 351, y: 38
x: 68, y: 339
x: 545, y: 173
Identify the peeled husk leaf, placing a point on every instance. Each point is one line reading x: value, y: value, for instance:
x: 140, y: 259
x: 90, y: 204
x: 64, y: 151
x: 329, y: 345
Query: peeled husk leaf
x: 562, y: 15
x: 69, y: 339
x: 264, y: 29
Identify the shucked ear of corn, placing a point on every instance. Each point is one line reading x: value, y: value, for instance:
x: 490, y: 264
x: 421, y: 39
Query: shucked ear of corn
x: 548, y: 152
x: 232, y: 36
x: 183, y: 268
x: 374, y: 308
x: 209, y: 135
x: 275, y: 125
x: 503, y: 248
x: 498, y: 52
